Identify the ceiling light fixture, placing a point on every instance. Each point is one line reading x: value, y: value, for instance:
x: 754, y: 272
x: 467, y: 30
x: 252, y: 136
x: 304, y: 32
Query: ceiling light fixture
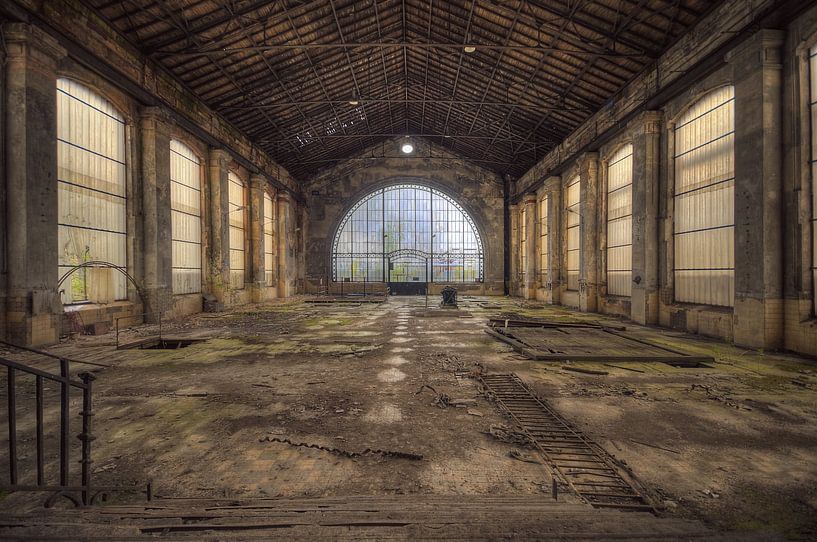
x: 354, y: 100
x: 469, y: 49
x: 406, y: 146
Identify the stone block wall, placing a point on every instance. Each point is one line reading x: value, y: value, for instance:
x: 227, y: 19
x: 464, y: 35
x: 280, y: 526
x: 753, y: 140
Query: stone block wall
x: 774, y: 291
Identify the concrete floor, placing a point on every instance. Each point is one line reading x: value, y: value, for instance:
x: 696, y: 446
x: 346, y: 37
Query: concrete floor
x: 734, y: 445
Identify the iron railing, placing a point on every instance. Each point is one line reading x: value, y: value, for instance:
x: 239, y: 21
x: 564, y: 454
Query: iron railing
x: 85, y: 493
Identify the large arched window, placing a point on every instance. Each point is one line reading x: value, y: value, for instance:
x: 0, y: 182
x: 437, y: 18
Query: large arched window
x: 407, y: 233
x: 185, y: 215
x: 91, y: 180
x: 237, y: 210
x: 813, y: 162
x: 574, y: 232
x: 620, y: 222
x: 705, y: 201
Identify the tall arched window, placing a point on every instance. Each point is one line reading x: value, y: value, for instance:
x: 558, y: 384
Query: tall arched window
x: 544, y: 270
x: 620, y: 222
x: 704, y: 200
x: 574, y: 235
x: 523, y: 241
x: 91, y: 180
x: 185, y: 215
x: 400, y: 233
x: 269, y: 239
x: 237, y: 213
x: 813, y: 160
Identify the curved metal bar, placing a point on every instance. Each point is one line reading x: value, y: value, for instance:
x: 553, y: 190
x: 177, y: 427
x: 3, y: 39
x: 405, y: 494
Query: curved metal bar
x: 108, y: 265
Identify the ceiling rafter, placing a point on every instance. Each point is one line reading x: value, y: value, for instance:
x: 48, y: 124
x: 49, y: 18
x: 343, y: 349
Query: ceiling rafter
x: 285, y: 71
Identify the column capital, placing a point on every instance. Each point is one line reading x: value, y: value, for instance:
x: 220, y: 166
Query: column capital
x: 651, y: 121
x: 529, y: 199
x: 218, y: 157
x: 589, y: 162
x: 257, y: 181
x: 154, y: 113
x: 284, y: 196
x: 25, y: 40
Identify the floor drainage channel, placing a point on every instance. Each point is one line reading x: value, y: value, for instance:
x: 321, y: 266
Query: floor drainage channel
x: 584, y: 465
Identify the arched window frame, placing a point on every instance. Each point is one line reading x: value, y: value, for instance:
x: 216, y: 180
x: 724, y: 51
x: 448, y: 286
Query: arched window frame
x: 573, y: 229
x: 544, y: 249
x: 808, y: 54
x: 186, y: 182
x: 237, y: 199
x: 618, y: 182
x: 703, y: 237
x: 270, y: 218
x: 92, y: 167
x: 377, y: 248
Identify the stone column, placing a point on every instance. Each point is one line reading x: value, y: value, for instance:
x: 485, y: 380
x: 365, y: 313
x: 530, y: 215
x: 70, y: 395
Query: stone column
x: 256, y: 271
x: 553, y: 188
x: 157, y: 245
x: 646, y: 169
x: 531, y: 277
x: 276, y: 241
x: 758, y: 72
x: 33, y: 308
x: 514, y: 219
x: 588, y: 274
x: 218, y: 264
x: 286, y: 245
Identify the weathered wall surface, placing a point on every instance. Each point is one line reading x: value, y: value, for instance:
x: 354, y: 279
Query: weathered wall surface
x: 332, y: 193
x: 32, y: 312
x: 774, y: 290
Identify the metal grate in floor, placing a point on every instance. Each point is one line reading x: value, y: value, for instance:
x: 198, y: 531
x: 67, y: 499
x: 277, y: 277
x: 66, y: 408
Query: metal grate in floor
x: 584, y: 465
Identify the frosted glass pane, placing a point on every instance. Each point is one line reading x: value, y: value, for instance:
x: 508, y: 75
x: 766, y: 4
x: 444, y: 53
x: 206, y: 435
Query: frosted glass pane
x: 704, y: 201
x: 407, y: 225
x: 91, y: 191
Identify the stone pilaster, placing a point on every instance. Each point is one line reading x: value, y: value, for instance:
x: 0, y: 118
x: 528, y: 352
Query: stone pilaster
x: 552, y: 287
x: 758, y: 69
x: 257, y: 218
x: 514, y: 249
x: 33, y: 308
x: 157, y: 244
x: 588, y: 274
x: 218, y: 264
x: 287, y: 242
x: 646, y: 190
x: 531, y: 276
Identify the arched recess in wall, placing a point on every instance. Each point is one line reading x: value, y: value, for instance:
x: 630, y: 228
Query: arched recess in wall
x: 704, y: 200
x: 92, y: 193
x: 407, y: 233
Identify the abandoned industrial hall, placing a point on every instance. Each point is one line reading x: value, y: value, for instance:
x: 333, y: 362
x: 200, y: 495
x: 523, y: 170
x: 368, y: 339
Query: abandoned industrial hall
x: 408, y: 270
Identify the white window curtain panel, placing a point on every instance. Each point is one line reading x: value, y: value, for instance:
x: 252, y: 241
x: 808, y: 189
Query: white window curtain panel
x: 237, y: 218
x: 704, y: 230
x: 813, y: 111
x: 544, y: 268
x: 185, y: 214
x: 620, y: 222
x: 574, y: 236
x: 269, y: 239
x: 523, y: 241
x: 92, y: 191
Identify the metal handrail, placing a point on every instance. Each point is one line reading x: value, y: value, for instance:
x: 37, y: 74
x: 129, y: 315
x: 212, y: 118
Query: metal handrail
x: 66, y: 383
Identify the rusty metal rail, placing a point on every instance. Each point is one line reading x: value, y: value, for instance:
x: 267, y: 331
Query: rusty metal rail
x: 584, y: 465
x: 81, y: 494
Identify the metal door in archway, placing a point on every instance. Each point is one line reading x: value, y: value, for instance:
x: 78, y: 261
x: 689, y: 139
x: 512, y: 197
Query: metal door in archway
x: 407, y: 272
x: 407, y: 219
